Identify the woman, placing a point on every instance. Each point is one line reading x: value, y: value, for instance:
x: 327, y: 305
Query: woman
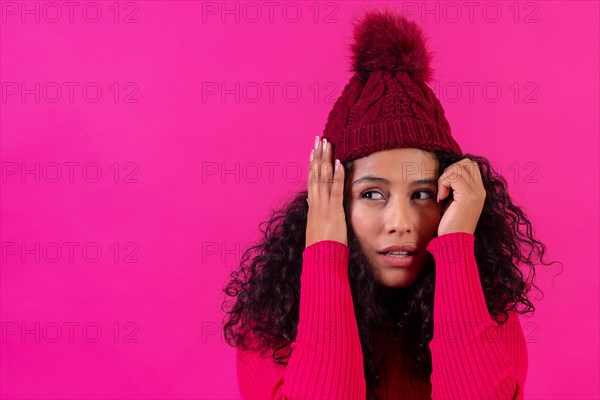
x: 366, y: 285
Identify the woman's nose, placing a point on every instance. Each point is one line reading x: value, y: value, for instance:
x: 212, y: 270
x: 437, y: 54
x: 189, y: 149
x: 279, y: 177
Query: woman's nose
x: 398, y: 218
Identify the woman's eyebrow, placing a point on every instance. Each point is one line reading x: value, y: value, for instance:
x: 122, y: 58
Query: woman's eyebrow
x: 424, y: 182
x: 371, y: 178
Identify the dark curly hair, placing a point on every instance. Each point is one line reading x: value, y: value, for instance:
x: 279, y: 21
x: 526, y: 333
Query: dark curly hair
x: 266, y: 288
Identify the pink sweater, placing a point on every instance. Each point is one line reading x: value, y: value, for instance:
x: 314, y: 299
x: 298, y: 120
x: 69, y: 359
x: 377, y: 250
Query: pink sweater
x: 473, y: 357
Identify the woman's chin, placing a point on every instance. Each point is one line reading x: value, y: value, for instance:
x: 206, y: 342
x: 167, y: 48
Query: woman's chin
x: 397, y: 278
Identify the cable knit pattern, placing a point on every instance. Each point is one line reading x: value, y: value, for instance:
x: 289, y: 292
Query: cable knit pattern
x: 387, y: 103
x: 388, y: 112
x: 473, y: 357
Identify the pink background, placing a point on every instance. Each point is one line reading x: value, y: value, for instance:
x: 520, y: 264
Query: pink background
x: 198, y: 169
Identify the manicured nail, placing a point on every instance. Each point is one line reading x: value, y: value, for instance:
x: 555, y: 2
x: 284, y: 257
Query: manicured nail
x: 316, y: 142
x: 324, y: 145
x: 337, y: 164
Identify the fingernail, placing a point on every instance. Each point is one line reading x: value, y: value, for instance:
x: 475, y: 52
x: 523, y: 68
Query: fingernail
x: 324, y: 145
x: 312, y: 152
x: 337, y: 164
x: 316, y: 142
x: 438, y: 198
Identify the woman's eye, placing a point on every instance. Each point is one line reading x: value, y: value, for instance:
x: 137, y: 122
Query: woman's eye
x: 427, y: 192
x: 371, y: 192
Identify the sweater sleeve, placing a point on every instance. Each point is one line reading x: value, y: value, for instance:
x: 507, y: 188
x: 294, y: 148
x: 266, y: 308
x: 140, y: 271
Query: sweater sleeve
x: 326, y: 360
x: 472, y: 355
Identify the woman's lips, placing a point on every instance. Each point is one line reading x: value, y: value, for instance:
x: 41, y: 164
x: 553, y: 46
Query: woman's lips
x: 401, y: 260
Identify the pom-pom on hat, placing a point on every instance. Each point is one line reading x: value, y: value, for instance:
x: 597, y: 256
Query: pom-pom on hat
x: 387, y: 103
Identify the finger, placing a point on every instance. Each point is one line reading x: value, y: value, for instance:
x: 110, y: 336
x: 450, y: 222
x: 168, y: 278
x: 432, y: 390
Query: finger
x: 310, y: 176
x: 475, y: 172
x: 443, y: 190
x: 445, y: 182
x: 326, y: 171
x: 316, y: 182
x: 464, y: 176
x: 475, y: 178
x: 313, y: 172
x: 337, y: 189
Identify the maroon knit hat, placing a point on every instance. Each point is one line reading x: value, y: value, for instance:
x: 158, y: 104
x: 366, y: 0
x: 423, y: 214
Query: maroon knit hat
x: 387, y: 103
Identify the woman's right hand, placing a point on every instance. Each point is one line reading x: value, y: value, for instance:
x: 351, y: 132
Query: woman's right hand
x: 326, y: 219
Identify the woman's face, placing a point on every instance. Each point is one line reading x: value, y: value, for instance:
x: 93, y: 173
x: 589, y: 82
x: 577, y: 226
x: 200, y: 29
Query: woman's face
x: 392, y: 197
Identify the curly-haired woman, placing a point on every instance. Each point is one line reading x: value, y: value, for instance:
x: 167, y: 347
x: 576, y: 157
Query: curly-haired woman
x: 395, y: 275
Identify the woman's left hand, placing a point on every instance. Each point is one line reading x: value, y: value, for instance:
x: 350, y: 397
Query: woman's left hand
x: 463, y: 213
